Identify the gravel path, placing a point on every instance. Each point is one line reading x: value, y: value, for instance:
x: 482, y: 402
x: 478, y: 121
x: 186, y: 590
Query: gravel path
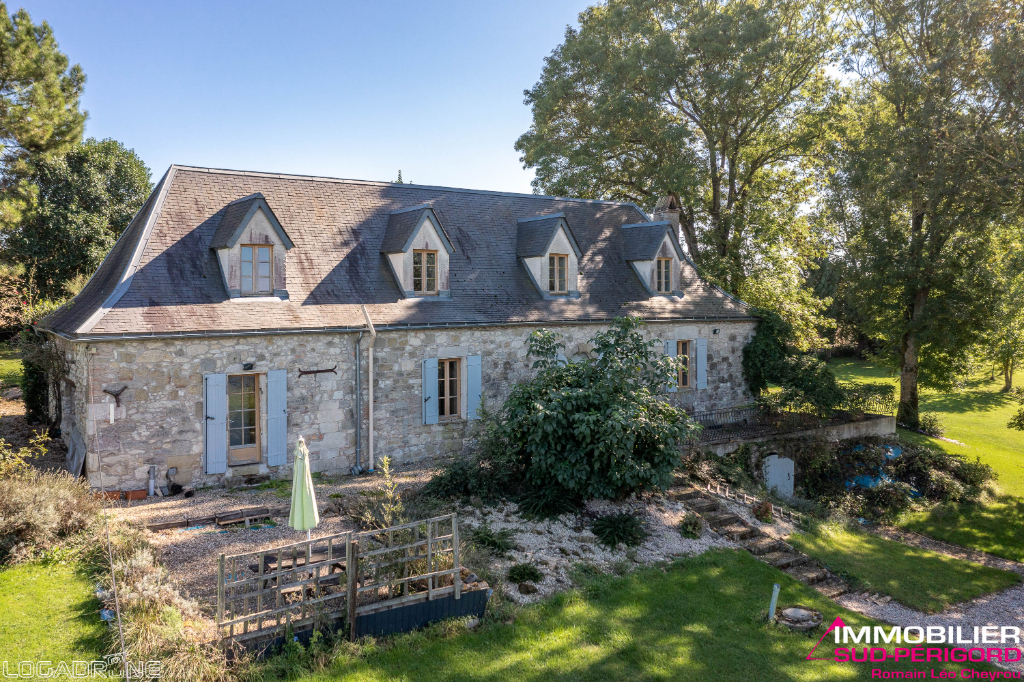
x: 1001, y: 608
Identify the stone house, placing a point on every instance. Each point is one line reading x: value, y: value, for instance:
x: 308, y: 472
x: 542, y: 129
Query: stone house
x: 241, y: 310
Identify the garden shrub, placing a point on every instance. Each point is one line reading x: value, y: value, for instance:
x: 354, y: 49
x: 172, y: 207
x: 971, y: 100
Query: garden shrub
x: 930, y: 425
x: 622, y: 528
x: 691, y: 526
x: 887, y: 500
x: 524, y: 573
x: 35, y: 391
x: 499, y: 541
x: 38, y: 510
x: 14, y: 462
x: 763, y: 511
x: 594, y: 428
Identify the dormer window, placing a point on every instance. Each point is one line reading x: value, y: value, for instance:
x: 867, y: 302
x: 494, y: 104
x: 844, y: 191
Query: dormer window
x: 417, y: 250
x: 558, y: 270
x: 256, y: 265
x: 548, y: 251
x: 252, y: 249
x: 424, y: 272
x: 664, y: 277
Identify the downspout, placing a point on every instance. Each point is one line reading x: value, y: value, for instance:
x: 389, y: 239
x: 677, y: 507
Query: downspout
x: 357, y: 469
x: 369, y: 360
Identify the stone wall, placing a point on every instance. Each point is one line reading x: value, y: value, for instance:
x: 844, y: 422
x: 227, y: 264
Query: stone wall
x: 161, y: 417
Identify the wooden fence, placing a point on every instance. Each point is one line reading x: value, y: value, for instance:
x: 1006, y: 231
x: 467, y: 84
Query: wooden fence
x: 306, y: 584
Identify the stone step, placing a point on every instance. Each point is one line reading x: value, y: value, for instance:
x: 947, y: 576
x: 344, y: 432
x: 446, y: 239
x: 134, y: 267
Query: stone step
x: 762, y: 544
x: 683, y: 494
x: 736, y: 531
x: 832, y: 587
x: 783, y: 560
x: 721, y: 518
x: 701, y: 505
x: 808, y: 574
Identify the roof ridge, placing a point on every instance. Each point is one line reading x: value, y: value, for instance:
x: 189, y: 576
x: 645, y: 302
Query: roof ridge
x: 323, y: 178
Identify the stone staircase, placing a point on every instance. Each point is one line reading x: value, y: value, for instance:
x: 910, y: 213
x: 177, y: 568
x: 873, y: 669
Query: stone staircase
x: 766, y: 548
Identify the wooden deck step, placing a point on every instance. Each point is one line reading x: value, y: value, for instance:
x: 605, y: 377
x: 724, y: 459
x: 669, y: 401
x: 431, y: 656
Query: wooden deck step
x: 808, y: 574
x: 832, y: 587
x: 702, y: 505
x: 762, y: 544
x: 736, y: 531
x: 683, y: 494
x: 783, y: 560
x: 722, y: 518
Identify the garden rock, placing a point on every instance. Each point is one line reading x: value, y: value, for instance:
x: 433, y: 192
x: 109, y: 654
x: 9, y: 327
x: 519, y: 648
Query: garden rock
x: 527, y: 588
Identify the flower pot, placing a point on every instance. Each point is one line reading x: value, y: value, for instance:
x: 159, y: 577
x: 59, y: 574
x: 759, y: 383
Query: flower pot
x: 135, y: 494
x: 111, y: 495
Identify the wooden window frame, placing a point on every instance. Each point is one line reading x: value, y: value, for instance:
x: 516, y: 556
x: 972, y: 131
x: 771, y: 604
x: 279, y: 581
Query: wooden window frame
x: 558, y: 286
x: 663, y: 275
x: 424, y: 275
x: 445, y: 382
x: 251, y: 453
x: 683, y: 348
x: 254, y: 263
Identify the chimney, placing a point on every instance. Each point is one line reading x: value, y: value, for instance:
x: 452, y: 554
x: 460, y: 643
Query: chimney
x: 668, y: 209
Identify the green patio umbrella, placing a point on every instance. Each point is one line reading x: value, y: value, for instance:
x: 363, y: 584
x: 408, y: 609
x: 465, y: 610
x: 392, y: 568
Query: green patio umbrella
x: 304, y: 515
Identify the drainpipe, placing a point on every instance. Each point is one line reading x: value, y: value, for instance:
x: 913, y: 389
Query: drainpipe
x: 357, y: 469
x: 373, y: 338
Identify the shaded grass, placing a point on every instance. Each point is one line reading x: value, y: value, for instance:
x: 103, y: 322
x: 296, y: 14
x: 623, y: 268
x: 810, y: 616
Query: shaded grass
x: 918, y: 578
x: 49, y: 613
x: 10, y: 366
x: 703, y: 618
x: 975, y: 415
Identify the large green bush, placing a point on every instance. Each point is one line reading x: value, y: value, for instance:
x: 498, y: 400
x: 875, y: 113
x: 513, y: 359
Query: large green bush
x: 594, y: 428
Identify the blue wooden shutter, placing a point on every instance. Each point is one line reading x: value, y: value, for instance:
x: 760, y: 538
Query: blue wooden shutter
x: 277, y: 417
x: 702, y: 363
x: 215, y: 408
x: 473, y: 380
x: 430, y: 391
x: 671, y: 348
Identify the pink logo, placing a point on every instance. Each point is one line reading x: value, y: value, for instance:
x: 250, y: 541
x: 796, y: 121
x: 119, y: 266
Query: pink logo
x: 838, y: 622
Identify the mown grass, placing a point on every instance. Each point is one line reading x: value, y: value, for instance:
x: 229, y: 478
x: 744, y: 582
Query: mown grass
x: 49, y: 613
x: 975, y: 415
x: 10, y: 366
x: 918, y: 578
x: 702, y: 618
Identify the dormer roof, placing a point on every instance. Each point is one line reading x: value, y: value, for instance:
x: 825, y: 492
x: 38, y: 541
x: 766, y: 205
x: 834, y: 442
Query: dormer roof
x: 405, y: 224
x: 644, y: 239
x: 534, y: 235
x: 238, y: 214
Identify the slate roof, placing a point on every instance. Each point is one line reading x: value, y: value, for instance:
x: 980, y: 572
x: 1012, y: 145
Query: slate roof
x: 400, y: 228
x: 162, y: 277
x: 233, y: 215
x: 644, y: 240
x: 535, y: 235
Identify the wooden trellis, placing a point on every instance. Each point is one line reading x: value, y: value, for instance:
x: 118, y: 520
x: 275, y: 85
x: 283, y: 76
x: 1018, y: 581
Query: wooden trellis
x: 260, y: 594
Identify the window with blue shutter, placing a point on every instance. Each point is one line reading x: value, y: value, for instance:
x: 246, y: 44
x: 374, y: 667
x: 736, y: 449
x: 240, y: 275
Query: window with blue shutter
x: 702, y: 363
x: 215, y: 434
x: 277, y: 417
x: 473, y: 385
x: 430, y: 391
x: 670, y: 350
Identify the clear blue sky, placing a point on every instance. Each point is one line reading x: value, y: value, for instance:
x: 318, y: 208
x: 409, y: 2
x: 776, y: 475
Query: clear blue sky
x: 342, y: 89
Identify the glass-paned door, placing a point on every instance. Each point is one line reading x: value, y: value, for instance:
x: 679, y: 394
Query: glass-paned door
x: 243, y: 419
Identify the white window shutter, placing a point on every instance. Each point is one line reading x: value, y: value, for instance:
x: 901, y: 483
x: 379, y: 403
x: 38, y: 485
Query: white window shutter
x: 702, y: 363
x: 277, y: 417
x: 473, y: 381
x: 671, y: 348
x: 430, y: 391
x: 215, y: 435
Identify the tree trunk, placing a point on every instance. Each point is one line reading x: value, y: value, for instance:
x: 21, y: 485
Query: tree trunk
x: 1007, y: 375
x: 908, y: 413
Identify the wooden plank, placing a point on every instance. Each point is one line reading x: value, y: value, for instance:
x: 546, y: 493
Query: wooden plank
x: 220, y: 589
x: 455, y: 557
x: 352, y: 593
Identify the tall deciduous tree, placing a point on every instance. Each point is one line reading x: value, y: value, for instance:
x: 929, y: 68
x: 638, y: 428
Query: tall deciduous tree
x: 86, y: 198
x: 714, y: 102
x: 930, y: 175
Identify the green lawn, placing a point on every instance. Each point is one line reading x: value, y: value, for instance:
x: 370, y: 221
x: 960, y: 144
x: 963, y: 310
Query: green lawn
x: 49, y: 613
x: 701, y: 619
x: 975, y: 415
x: 10, y: 366
x: 918, y: 578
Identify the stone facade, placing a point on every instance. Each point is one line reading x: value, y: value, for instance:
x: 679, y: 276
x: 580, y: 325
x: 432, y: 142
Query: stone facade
x: 161, y: 417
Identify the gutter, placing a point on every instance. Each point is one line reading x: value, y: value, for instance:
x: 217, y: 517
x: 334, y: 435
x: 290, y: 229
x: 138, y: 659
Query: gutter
x: 285, y: 331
